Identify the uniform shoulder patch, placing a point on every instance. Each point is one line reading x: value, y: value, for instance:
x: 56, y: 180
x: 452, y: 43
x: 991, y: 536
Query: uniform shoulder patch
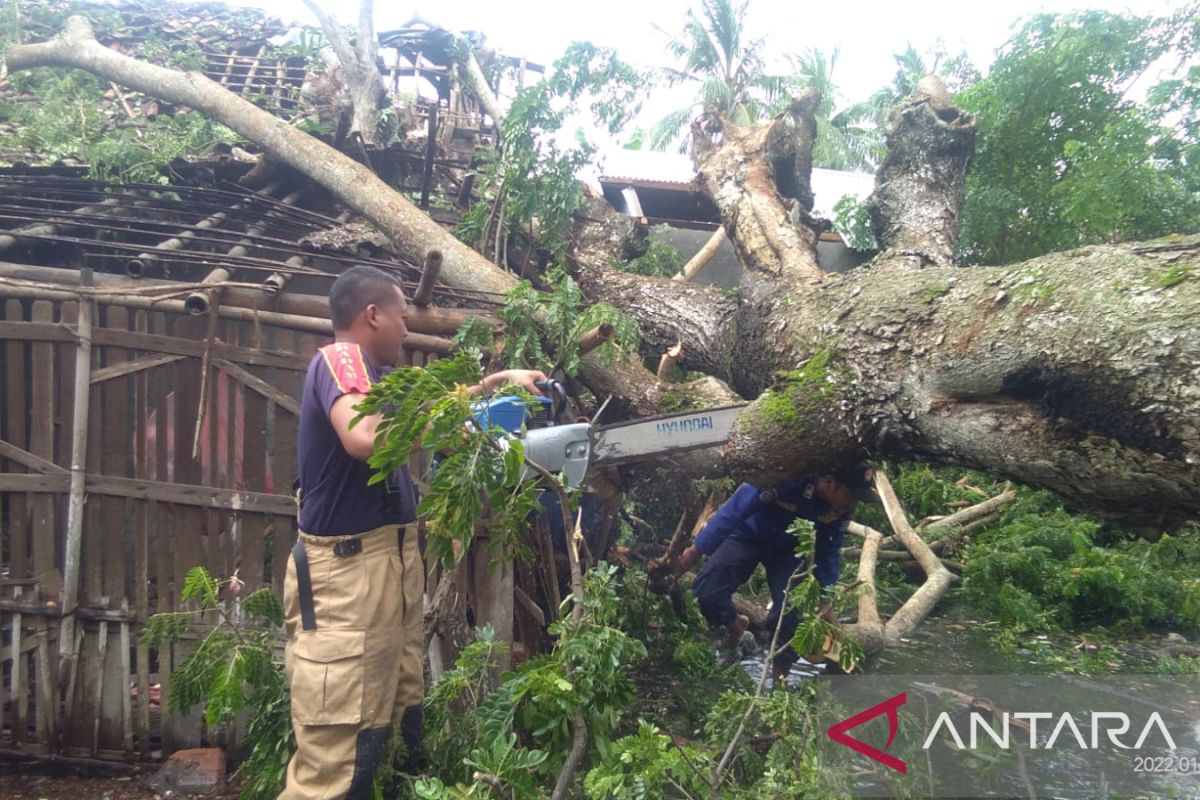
x: 347, y: 366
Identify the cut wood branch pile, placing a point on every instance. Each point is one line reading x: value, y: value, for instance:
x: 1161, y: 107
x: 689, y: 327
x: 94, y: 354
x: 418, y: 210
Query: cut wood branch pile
x: 871, y: 630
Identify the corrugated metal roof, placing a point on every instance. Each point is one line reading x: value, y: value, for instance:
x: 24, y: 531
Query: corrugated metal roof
x: 652, y: 167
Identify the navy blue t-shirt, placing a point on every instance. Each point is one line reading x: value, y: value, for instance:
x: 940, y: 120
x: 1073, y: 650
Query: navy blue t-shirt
x: 335, y: 498
x: 746, y: 516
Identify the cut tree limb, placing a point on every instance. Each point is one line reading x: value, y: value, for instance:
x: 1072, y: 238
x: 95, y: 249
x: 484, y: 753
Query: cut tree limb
x: 669, y: 361
x: 872, y: 633
x: 759, y: 179
x: 920, y: 186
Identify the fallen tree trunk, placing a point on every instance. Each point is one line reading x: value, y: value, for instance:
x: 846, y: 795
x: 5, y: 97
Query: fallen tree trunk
x: 1078, y: 371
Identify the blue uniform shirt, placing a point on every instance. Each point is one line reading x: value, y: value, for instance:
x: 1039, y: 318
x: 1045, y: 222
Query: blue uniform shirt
x: 335, y: 498
x: 747, y: 517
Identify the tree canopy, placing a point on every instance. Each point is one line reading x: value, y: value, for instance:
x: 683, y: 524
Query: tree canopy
x: 1067, y: 153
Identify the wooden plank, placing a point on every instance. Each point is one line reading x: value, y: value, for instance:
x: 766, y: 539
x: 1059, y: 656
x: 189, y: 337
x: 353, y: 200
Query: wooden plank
x: 116, y: 461
x: 256, y: 438
x: 191, y: 495
x: 3, y: 658
x: 15, y: 431
x: 182, y: 494
x: 19, y: 683
x: 79, y: 722
x: 118, y: 705
x: 98, y: 697
x: 49, y: 332
x: 124, y: 687
x: 136, y: 365
x: 28, y: 459
x: 252, y: 381
x: 47, y: 712
x: 284, y: 429
x: 13, y: 330
x: 161, y: 517
x: 41, y: 443
x: 195, y: 347
x: 139, y: 717
x: 35, y: 482
x: 188, y: 519
x: 65, y: 354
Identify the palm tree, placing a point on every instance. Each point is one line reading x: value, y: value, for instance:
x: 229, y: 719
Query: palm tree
x: 728, y: 72
x: 847, y: 138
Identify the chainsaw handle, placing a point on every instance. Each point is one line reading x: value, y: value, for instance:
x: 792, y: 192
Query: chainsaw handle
x: 557, y: 394
x: 550, y: 387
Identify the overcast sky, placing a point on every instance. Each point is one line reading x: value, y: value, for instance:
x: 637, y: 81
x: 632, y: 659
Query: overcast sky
x: 867, y: 32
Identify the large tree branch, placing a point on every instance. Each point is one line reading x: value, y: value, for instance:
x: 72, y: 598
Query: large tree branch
x: 759, y: 178
x: 358, y: 65
x: 333, y: 32
x: 921, y: 184
x: 474, y: 78
x: 412, y: 231
x: 701, y: 317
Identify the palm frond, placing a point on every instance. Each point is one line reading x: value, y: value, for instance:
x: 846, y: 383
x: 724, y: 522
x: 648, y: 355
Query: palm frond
x: 668, y: 129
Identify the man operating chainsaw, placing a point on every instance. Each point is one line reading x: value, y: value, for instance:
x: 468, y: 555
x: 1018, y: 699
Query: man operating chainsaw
x: 354, y: 583
x: 751, y: 529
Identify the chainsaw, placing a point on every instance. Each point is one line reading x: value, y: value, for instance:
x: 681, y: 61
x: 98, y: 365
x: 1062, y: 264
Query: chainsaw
x: 573, y: 448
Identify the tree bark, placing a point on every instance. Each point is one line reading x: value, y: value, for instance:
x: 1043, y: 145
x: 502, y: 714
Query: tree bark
x: 759, y: 179
x: 474, y: 78
x: 920, y: 185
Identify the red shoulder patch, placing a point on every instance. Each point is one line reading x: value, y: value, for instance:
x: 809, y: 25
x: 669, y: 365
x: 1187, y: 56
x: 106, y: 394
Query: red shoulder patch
x: 348, y: 367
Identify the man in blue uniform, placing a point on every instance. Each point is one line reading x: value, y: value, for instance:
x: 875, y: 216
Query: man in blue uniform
x: 751, y: 529
x: 354, y: 584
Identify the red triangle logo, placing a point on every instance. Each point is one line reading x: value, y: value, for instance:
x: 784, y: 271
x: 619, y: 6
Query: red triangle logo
x: 838, y: 732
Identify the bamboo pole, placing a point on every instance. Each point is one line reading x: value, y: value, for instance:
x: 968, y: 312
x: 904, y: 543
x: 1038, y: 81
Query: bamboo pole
x: 10, y: 239
x: 198, y: 303
x: 701, y: 258
x: 428, y: 320
x: 296, y: 322
x: 136, y: 267
x: 433, y: 266
x: 68, y: 656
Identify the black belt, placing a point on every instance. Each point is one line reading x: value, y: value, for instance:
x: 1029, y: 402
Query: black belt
x: 343, y: 549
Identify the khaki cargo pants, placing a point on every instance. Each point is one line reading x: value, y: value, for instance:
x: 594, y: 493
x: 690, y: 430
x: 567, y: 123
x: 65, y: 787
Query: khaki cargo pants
x: 353, y: 658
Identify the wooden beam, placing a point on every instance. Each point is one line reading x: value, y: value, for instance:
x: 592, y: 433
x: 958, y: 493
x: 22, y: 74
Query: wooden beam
x: 252, y: 381
x: 28, y: 459
x: 633, y: 205
x: 130, y: 367
x: 36, y: 332
x: 181, y: 493
x: 192, y: 347
x: 136, y: 340
x: 289, y: 305
x: 424, y: 294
